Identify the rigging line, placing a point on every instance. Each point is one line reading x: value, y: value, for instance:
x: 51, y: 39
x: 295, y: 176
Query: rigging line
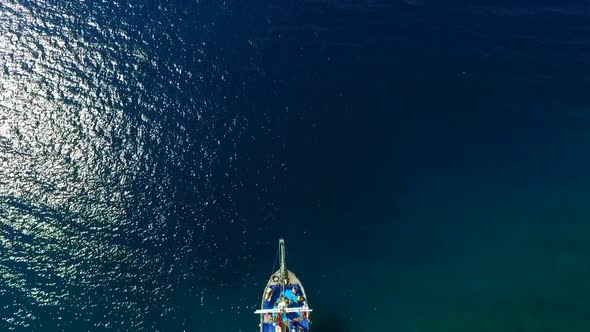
x: 275, y: 263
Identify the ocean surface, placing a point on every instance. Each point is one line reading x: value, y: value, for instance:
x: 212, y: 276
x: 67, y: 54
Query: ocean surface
x: 427, y: 163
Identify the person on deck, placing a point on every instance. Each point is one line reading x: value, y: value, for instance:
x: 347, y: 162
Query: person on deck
x: 296, y: 300
x: 292, y: 295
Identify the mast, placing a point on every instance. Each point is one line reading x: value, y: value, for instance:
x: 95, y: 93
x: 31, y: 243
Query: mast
x: 283, y: 273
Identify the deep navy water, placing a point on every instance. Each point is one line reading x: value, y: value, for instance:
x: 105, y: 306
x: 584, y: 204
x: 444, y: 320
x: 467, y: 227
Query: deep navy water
x: 426, y: 161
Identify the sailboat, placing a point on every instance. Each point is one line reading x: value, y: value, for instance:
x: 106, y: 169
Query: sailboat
x: 284, y: 305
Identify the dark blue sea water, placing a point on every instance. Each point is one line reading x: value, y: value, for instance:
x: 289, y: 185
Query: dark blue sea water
x: 426, y: 162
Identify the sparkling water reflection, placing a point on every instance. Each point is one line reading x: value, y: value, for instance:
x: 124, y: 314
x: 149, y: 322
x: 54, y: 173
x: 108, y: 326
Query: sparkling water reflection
x: 99, y: 104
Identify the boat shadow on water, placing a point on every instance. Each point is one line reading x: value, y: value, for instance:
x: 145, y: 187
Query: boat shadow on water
x: 326, y: 320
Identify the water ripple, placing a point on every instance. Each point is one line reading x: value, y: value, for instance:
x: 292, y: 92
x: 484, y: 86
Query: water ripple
x: 96, y: 115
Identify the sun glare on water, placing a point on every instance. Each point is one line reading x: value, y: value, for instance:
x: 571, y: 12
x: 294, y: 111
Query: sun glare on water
x: 67, y: 158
